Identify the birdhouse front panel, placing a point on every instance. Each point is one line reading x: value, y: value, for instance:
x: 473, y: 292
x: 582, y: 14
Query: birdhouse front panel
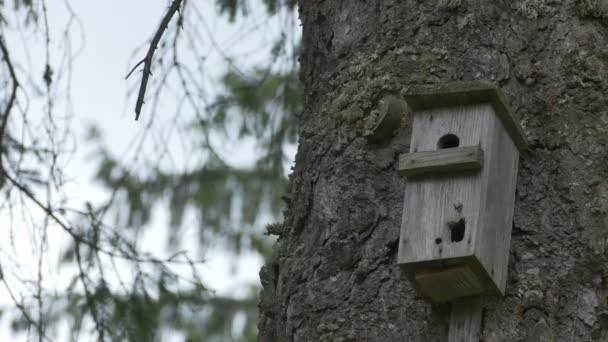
x: 441, y: 212
x: 459, y: 196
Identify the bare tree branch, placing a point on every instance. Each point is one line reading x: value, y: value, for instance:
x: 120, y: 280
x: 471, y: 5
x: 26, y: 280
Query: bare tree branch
x: 80, y: 239
x: 174, y: 8
x: 21, y: 307
x: 135, y: 67
x: 11, y: 101
x: 99, y: 325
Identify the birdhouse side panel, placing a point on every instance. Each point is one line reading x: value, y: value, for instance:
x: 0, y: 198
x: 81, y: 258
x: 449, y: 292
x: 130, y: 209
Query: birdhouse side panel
x: 501, y: 158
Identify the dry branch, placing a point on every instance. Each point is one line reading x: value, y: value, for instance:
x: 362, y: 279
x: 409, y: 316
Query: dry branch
x: 174, y: 8
x: 11, y: 101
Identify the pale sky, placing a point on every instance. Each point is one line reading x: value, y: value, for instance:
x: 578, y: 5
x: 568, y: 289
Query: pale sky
x: 113, y: 29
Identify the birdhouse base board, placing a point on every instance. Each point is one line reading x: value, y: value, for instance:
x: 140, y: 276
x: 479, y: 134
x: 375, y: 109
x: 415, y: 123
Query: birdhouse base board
x: 447, y: 279
x: 443, y: 285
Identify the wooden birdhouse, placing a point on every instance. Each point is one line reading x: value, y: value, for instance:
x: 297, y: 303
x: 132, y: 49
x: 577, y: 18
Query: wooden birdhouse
x: 460, y: 192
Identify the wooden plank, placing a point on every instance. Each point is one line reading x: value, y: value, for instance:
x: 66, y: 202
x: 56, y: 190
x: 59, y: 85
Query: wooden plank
x: 498, y: 201
x: 484, y: 199
x: 430, y: 203
x: 465, y: 320
x: 465, y: 93
x: 409, y: 271
x: 444, y: 285
x: 449, y: 160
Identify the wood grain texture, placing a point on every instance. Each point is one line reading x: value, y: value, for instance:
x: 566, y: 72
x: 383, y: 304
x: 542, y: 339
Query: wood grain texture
x: 465, y: 93
x: 498, y: 198
x: 483, y: 200
x: 431, y: 203
x: 465, y: 320
x: 449, y: 160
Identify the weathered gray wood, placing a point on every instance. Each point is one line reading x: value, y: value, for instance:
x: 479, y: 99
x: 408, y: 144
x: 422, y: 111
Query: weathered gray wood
x: 483, y: 200
x: 443, y: 285
x: 457, y: 94
x: 465, y: 320
x: 430, y: 203
x: 498, y: 198
x: 449, y: 160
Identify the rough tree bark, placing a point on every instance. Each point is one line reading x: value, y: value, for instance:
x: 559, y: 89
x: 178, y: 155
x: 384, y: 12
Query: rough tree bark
x: 335, y: 278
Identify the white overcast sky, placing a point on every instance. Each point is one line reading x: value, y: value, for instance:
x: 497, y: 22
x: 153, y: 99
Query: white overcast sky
x: 112, y: 30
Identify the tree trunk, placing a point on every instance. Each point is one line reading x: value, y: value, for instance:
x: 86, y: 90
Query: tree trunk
x: 335, y: 277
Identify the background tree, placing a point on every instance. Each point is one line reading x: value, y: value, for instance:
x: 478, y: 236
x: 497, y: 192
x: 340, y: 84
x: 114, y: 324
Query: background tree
x: 249, y: 102
x: 335, y: 278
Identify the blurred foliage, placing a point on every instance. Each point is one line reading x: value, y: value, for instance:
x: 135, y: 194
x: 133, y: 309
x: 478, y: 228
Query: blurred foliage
x: 27, y: 5
x: 259, y: 104
x: 233, y: 7
x: 142, y: 316
x: 265, y: 105
x: 148, y: 312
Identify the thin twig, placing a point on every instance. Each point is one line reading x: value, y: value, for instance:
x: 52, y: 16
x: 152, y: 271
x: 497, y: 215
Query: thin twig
x: 11, y: 101
x: 78, y: 238
x: 38, y: 296
x: 22, y: 309
x: 90, y: 301
x: 150, y: 54
x: 135, y: 67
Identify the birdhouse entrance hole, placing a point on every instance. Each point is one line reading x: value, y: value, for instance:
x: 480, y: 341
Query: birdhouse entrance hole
x: 457, y: 230
x: 448, y: 141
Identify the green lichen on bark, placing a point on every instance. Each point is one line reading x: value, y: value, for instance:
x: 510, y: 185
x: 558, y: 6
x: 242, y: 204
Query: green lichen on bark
x: 382, y: 121
x: 464, y: 21
x: 533, y: 9
x: 275, y: 229
x: 589, y: 65
x: 340, y: 102
x: 353, y: 100
x: 592, y: 8
x: 345, y: 106
x: 351, y: 114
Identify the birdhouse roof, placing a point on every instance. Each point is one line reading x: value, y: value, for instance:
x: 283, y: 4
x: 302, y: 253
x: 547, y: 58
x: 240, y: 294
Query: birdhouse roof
x: 466, y: 93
